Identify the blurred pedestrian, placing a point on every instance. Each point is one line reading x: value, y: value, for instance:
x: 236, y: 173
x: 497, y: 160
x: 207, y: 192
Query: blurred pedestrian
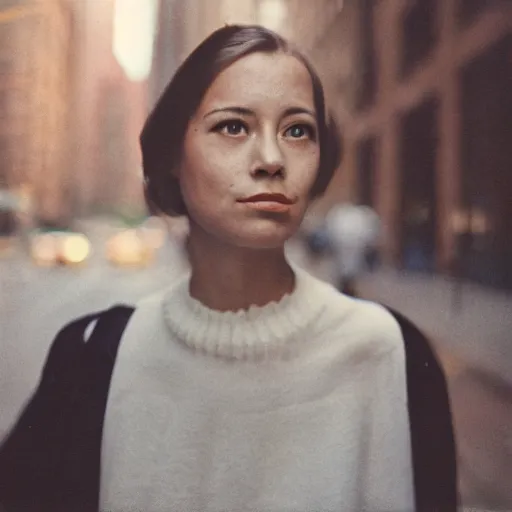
x: 353, y: 232
x: 316, y: 239
x: 249, y: 385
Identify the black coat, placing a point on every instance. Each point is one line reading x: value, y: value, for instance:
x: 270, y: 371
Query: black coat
x: 51, y: 459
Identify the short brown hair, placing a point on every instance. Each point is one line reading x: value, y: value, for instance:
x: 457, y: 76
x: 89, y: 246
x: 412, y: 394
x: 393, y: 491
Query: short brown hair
x: 164, y: 131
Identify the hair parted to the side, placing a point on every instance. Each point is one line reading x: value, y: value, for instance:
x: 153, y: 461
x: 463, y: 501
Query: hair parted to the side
x: 164, y: 131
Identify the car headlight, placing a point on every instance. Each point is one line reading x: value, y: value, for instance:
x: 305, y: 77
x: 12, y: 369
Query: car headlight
x: 127, y: 248
x: 75, y: 248
x: 44, y: 249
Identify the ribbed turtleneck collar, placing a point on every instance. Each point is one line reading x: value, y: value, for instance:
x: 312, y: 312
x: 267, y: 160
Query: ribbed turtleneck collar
x: 258, y: 332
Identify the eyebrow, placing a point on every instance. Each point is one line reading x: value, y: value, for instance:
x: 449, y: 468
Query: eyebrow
x: 243, y: 111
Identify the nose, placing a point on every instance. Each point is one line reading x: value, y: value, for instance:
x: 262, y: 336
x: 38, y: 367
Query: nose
x: 270, y: 160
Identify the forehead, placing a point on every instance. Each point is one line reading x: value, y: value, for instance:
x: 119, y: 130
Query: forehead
x: 262, y: 80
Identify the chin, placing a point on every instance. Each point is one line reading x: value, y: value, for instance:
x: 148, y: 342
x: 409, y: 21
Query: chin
x: 262, y: 233
x: 263, y: 237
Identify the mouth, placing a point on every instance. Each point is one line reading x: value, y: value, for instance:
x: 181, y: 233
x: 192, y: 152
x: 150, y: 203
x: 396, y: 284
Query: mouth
x: 278, y: 203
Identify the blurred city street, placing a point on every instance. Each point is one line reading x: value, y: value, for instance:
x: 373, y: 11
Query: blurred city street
x: 37, y: 301
x: 422, y: 93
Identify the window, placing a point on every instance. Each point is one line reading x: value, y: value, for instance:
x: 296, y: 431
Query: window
x: 419, y: 33
x: 485, y: 246
x: 367, y: 61
x: 366, y: 161
x: 470, y: 9
x: 418, y: 161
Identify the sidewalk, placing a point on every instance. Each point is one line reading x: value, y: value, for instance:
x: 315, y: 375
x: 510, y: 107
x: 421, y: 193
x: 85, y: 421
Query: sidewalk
x: 479, y: 330
x: 472, y: 334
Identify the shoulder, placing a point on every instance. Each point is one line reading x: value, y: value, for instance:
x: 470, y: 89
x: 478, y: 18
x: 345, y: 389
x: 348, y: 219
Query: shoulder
x: 153, y: 300
x: 86, y: 331
x: 364, y: 324
x: 150, y: 309
x: 375, y: 324
x: 150, y: 314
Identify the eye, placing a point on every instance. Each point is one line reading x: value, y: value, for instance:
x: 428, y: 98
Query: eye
x: 232, y: 127
x: 300, y: 131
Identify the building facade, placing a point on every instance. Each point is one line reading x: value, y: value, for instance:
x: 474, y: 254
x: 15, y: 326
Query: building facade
x: 71, y: 115
x: 428, y: 134
x: 35, y: 93
x: 110, y: 108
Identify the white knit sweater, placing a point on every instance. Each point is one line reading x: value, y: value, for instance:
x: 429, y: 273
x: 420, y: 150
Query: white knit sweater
x: 295, y: 406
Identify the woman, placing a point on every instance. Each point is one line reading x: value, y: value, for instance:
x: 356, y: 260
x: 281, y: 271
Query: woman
x: 249, y: 385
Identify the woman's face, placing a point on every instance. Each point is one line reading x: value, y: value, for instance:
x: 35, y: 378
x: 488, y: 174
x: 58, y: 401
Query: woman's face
x: 251, y: 152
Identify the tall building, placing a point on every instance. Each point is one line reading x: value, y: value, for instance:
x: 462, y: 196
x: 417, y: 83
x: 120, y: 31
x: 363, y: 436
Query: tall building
x: 428, y: 132
x: 110, y: 108
x: 35, y: 88
x: 72, y: 103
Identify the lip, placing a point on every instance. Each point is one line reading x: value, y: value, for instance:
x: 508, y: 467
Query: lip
x: 276, y: 203
x: 268, y: 206
x: 268, y: 198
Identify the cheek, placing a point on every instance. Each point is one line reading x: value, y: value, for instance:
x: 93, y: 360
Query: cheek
x: 206, y: 181
x: 306, y: 164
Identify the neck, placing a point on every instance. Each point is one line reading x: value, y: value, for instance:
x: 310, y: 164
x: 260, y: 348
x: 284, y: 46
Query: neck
x: 229, y: 278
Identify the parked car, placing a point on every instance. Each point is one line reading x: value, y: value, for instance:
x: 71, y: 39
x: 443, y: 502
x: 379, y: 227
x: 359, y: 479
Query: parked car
x: 59, y: 247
